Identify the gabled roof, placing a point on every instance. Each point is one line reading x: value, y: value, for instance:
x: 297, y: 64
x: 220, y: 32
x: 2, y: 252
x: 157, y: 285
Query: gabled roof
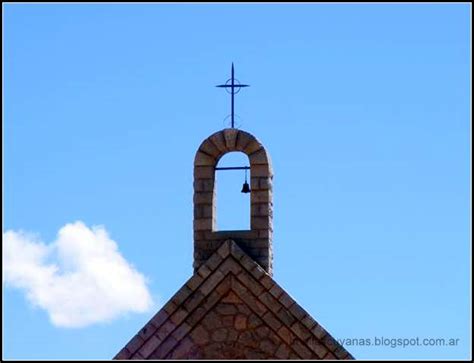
x: 230, y: 275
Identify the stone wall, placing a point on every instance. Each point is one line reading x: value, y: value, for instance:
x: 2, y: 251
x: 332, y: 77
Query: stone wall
x: 232, y: 331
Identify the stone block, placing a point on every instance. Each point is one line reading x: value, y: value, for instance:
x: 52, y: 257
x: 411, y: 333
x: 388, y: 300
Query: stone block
x: 137, y: 355
x: 220, y: 335
x: 123, y: 354
x: 219, y: 141
x: 200, y: 335
x: 260, y: 170
x: 134, y: 344
x: 169, y: 307
x: 267, y: 346
x: 261, y: 210
x: 258, y: 157
x: 266, y: 234
x: 286, y: 300
x: 271, y: 320
x: 260, y: 183
x: 250, y: 283
x: 258, y: 253
x: 286, y: 317
x: 226, y: 309
x: 203, y: 211
x: 252, y: 147
x: 276, y: 291
x: 198, y: 236
x: 318, y: 331
x: 149, y: 346
x: 195, y: 316
x: 265, y: 183
x: 147, y: 331
x: 261, y: 222
x: 248, y: 262
x: 267, y: 281
x: 181, y: 295
x: 201, y: 254
x: 194, y: 300
x: 194, y: 282
x: 224, y: 249
x: 205, y: 246
x: 209, y: 148
x: 308, y: 322
x: 231, y: 298
x: 286, y: 335
x: 269, y: 302
x: 181, y: 331
x: 228, y: 321
x: 204, y: 172
x: 329, y: 356
x: 164, y: 348
x: 233, y: 235
x: 244, y: 309
x: 202, y: 224
x: 302, y: 350
x: 330, y: 342
x: 211, y: 282
x: 298, y: 311
x: 243, y: 139
x: 340, y: 352
x: 165, y: 330
x: 260, y: 247
x: 178, y: 316
x: 261, y: 196
x: 203, y: 271
x: 203, y: 159
x: 214, y: 261
x: 182, y: 349
x: 159, y: 318
x: 203, y: 198
x: 283, y: 352
x: 203, y: 185
x: 258, y: 272
x: 300, y: 331
x: 230, y: 265
x: 254, y: 321
x: 230, y: 137
x: 240, y: 322
x: 317, y: 347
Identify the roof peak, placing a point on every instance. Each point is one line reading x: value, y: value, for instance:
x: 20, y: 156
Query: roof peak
x: 230, y: 270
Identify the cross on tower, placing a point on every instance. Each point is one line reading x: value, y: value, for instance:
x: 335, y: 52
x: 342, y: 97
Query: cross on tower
x: 233, y: 86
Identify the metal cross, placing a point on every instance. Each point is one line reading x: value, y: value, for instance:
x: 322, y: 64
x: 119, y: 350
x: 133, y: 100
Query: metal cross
x: 233, y: 86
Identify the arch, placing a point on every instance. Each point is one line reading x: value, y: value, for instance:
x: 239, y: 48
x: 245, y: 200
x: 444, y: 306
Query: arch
x: 256, y: 241
x: 232, y: 206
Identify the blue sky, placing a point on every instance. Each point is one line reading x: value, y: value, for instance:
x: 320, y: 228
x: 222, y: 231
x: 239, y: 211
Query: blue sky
x: 364, y: 109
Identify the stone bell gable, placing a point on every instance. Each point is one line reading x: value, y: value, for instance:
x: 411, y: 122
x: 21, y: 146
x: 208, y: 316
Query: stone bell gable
x: 256, y: 242
x: 231, y: 308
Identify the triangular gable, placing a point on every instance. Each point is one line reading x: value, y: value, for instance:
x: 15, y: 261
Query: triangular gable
x: 174, y: 332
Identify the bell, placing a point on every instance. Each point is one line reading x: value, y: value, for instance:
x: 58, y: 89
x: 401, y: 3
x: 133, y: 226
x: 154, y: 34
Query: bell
x: 245, y: 188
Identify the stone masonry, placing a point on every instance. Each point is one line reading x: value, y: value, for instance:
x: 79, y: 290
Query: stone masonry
x: 257, y: 242
x: 231, y: 308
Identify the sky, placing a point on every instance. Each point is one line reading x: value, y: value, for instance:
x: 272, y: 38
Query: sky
x: 364, y: 109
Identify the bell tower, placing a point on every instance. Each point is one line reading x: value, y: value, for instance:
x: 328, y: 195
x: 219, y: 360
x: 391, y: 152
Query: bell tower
x: 231, y: 307
x: 256, y: 242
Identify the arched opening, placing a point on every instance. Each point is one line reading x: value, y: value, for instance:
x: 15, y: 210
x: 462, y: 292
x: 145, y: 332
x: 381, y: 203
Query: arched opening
x: 233, y: 206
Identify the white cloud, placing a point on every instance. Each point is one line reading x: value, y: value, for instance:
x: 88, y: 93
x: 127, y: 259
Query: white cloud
x: 79, y: 279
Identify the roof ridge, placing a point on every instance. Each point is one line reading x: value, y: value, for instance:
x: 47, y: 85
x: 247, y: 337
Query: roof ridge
x: 201, y: 291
